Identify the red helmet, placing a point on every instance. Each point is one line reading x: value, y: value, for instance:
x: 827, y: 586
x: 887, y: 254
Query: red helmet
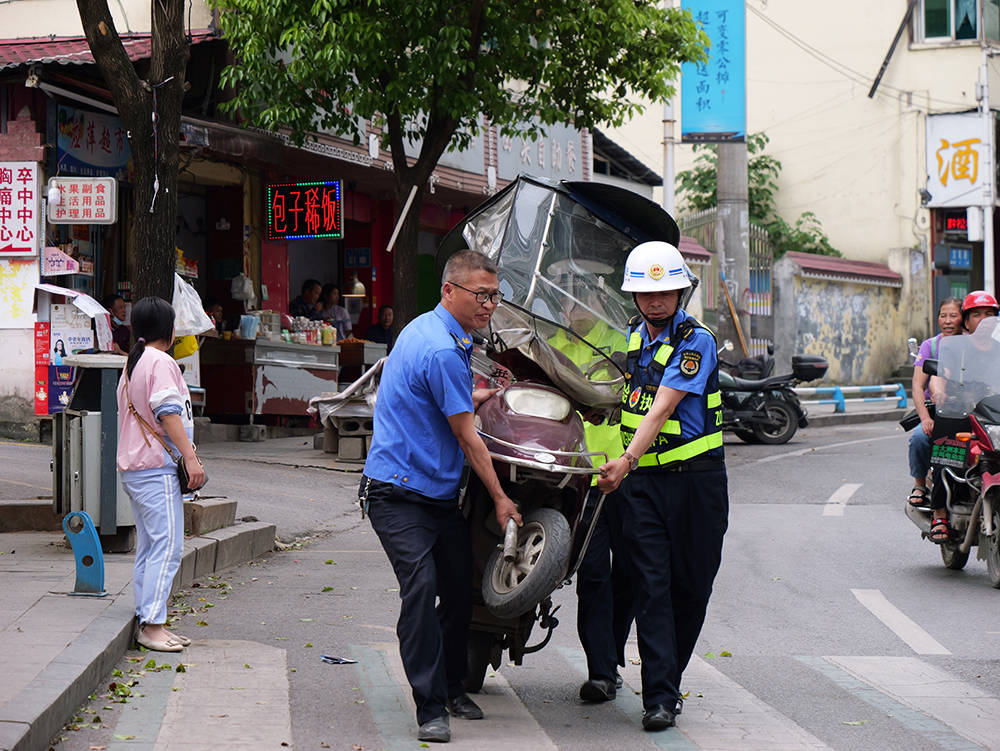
x: 979, y: 299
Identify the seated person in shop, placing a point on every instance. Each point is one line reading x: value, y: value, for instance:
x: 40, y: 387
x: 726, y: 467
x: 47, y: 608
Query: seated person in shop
x: 121, y: 334
x: 213, y: 308
x: 381, y: 330
x: 333, y: 312
x: 307, y: 304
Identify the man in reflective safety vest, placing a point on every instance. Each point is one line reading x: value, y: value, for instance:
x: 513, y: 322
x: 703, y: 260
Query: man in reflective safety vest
x: 672, y: 474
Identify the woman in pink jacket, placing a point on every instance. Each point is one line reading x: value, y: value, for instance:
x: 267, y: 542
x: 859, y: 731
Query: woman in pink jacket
x: 154, y: 426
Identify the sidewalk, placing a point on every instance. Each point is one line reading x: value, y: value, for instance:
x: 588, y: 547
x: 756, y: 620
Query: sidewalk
x: 56, y: 648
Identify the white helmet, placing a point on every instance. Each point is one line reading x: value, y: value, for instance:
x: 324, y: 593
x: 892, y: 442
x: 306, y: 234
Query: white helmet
x: 655, y: 267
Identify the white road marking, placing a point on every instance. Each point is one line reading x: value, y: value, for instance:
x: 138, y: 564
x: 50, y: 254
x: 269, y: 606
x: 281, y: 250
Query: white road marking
x: 803, y: 452
x: 507, y: 723
x: 899, y: 623
x: 973, y: 713
x: 726, y: 716
x: 838, y: 501
x: 719, y: 714
x: 233, y: 696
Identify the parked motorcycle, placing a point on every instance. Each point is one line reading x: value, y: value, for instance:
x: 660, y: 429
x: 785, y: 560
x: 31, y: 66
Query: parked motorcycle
x: 965, y: 456
x: 766, y: 410
x: 555, y: 347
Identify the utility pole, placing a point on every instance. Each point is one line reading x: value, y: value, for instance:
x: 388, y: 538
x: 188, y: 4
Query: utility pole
x: 734, y: 221
x: 989, y: 186
x: 668, y: 157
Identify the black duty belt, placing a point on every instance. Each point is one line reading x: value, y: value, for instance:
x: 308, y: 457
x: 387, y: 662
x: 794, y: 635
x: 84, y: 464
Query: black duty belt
x: 692, y: 465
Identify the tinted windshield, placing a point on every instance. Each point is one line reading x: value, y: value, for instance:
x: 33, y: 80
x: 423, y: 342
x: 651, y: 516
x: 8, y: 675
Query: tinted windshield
x: 970, y: 366
x: 556, y: 258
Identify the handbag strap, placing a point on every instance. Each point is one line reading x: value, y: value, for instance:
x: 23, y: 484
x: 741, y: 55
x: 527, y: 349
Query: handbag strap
x: 145, y: 426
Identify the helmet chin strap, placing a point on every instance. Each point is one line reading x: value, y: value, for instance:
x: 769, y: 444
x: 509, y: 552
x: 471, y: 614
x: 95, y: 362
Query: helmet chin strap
x: 659, y: 323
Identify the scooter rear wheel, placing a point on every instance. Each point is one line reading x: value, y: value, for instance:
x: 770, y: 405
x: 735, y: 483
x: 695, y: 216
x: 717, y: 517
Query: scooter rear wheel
x: 543, y: 548
x: 480, y: 651
x: 784, y: 427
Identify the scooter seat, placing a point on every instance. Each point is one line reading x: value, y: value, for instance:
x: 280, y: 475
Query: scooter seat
x: 743, y: 384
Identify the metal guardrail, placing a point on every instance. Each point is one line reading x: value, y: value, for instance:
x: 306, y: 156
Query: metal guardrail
x: 839, y: 398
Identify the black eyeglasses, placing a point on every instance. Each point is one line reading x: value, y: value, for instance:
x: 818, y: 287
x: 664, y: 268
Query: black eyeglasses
x: 482, y: 297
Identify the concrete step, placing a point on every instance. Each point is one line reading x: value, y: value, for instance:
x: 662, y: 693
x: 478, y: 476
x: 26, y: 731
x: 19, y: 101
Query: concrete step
x: 29, y: 516
x: 209, y: 514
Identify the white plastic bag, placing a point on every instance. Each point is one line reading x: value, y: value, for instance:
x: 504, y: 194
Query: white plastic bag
x: 241, y: 288
x: 189, y: 316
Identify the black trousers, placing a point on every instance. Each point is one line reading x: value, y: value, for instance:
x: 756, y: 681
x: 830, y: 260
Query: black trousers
x: 605, y: 608
x: 673, y: 523
x: 428, y: 545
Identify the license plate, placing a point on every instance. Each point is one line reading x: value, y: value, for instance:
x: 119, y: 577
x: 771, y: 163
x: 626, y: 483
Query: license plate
x: 949, y: 453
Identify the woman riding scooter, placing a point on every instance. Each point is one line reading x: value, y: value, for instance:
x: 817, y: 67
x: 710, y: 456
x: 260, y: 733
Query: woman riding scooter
x: 950, y: 323
x: 976, y: 306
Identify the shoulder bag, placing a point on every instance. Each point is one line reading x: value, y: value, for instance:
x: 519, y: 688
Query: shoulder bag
x: 182, y: 473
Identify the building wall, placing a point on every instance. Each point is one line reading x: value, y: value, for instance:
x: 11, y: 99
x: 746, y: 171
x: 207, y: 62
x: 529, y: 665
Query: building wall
x: 860, y: 328
x: 36, y: 18
x: 856, y: 162
x: 17, y: 376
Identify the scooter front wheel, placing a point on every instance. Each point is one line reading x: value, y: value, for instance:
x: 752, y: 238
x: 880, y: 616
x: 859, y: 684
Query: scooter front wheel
x: 952, y: 557
x: 513, y: 588
x: 993, y: 551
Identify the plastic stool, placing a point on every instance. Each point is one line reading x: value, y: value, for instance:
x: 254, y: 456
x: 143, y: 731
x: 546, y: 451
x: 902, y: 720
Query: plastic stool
x: 89, y: 556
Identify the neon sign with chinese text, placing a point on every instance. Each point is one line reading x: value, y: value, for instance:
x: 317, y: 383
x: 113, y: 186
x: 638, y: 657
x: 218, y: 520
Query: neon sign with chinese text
x: 302, y: 210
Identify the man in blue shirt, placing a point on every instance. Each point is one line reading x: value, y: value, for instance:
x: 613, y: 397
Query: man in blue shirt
x: 424, y: 432
x: 672, y: 475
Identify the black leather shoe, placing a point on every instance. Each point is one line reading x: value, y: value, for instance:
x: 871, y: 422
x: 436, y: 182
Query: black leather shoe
x: 618, y: 680
x: 598, y: 690
x: 657, y: 718
x: 462, y: 706
x: 436, y: 731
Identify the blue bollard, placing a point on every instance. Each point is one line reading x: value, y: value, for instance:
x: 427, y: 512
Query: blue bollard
x: 901, y: 394
x: 89, y: 556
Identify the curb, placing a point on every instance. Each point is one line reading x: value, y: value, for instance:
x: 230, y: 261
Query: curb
x: 847, y: 418
x: 31, y: 718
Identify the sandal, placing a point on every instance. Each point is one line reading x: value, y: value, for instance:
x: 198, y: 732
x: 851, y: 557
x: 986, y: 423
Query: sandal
x: 918, y: 497
x: 940, y: 531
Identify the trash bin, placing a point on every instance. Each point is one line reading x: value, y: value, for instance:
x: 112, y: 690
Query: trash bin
x: 84, y: 448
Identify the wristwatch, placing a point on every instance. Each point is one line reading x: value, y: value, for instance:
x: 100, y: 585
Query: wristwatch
x: 633, y: 463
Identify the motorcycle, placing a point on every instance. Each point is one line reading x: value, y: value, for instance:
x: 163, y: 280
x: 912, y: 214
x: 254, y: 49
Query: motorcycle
x: 766, y: 410
x: 555, y: 348
x: 965, y: 454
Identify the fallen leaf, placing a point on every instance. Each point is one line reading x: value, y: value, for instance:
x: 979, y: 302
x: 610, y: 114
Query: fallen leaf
x: 725, y: 653
x: 710, y: 655
x: 330, y: 563
x: 854, y: 722
x: 281, y: 638
x: 124, y: 737
x: 308, y: 644
x: 200, y: 623
x: 327, y: 589
x: 305, y: 620
x: 247, y: 665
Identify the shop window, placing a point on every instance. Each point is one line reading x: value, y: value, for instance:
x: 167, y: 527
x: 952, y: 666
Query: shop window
x: 991, y: 19
x: 947, y: 20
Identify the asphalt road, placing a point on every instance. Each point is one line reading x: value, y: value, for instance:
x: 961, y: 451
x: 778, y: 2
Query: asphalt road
x: 832, y: 625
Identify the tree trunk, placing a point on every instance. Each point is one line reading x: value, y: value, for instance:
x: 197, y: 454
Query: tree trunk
x: 404, y: 263
x: 154, y: 131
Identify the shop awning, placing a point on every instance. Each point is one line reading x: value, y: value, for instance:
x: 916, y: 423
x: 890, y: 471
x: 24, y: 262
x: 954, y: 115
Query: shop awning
x: 15, y: 53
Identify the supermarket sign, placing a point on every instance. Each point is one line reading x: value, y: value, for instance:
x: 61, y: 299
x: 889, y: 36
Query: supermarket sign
x: 84, y: 200
x: 19, y: 212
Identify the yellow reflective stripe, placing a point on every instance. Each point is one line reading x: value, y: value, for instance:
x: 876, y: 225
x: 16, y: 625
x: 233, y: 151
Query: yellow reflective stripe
x: 630, y: 421
x: 683, y: 453
x: 663, y: 354
x: 634, y: 341
x: 714, y: 400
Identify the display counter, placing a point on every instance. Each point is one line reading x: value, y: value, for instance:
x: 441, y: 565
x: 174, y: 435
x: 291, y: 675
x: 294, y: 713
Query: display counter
x: 262, y: 377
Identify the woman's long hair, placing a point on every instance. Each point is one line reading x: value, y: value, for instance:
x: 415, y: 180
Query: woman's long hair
x: 152, y: 321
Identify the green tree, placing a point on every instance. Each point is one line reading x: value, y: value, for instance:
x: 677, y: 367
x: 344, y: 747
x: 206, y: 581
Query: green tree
x: 697, y: 186
x: 150, y: 109
x: 434, y: 72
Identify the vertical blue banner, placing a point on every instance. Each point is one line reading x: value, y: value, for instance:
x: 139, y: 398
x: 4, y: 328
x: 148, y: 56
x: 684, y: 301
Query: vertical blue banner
x: 713, y: 95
